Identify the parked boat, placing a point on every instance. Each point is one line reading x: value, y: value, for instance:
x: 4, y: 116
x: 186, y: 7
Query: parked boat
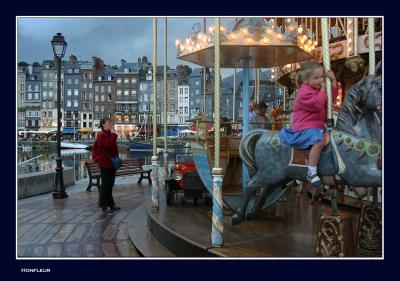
x: 73, y: 145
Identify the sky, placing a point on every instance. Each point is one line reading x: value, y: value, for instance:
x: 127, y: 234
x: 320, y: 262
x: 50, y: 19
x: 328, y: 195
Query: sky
x: 111, y: 39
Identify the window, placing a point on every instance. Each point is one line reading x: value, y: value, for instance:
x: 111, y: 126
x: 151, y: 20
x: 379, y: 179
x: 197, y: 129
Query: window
x: 84, y: 105
x: 102, y: 108
x: 133, y: 80
x: 76, y: 70
x: 50, y: 114
x: 143, y: 87
x: 145, y: 97
x: 126, y: 92
x: 181, y: 100
x: 76, y: 92
x: 36, y: 96
x: 76, y: 103
x: 90, y: 124
x: 119, y: 92
x: 29, y: 87
x: 90, y: 75
x: 44, y: 104
x: 44, y: 73
x: 84, y: 124
x: 126, y: 82
x: 69, y: 70
x: 69, y: 92
x: 36, y: 88
x: 186, y: 100
x: 84, y: 95
x: 21, y: 87
x: 109, y: 97
x: 96, y: 108
x: 133, y: 92
x: 50, y: 94
x: 109, y: 115
x: 109, y: 78
x: 180, y: 91
x: 119, y: 81
x: 181, y: 110
x: 172, y: 118
x: 197, y: 92
x: 68, y: 103
x: 44, y: 113
x: 69, y: 81
x: 96, y: 98
x: 197, y: 83
x: 102, y: 89
x: 51, y: 84
x: 186, y: 91
x: 102, y: 97
x: 76, y: 81
x: 90, y: 85
x: 186, y: 110
x: 84, y: 116
x: 44, y: 84
x: 90, y: 96
x: 90, y: 116
x: 50, y: 104
x: 44, y: 94
x: 109, y: 88
x: 85, y: 76
x: 96, y: 88
x: 84, y: 85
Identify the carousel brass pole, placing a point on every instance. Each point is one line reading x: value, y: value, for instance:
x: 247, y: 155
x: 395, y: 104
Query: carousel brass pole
x: 355, y: 37
x: 165, y: 154
x: 204, y: 78
x: 217, y: 217
x: 234, y: 98
x: 154, y: 159
x: 327, y: 65
x: 371, y: 46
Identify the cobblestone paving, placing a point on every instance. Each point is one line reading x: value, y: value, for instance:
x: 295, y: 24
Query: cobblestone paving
x: 76, y: 226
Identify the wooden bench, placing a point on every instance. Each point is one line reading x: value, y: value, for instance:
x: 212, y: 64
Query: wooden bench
x: 129, y: 167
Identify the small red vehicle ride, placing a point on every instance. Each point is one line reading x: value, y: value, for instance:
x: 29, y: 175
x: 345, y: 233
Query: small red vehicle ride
x: 184, y: 178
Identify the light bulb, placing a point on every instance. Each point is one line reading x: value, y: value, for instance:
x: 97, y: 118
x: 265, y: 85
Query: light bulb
x: 300, y: 29
x: 199, y: 36
x: 197, y: 46
x: 280, y: 36
x: 182, y: 48
x: 177, y: 42
x: 249, y: 40
x: 222, y: 28
x: 272, y: 76
x: 272, y: 70
x: 210, y: 29
x: 349, y: 40
x: 315, y: 43
x: 288, y: 20
x: 187, y: 41
x: 245, y: 31
x: 269, y: 31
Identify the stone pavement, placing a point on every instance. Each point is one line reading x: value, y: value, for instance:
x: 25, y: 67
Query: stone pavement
x: 76, y: 226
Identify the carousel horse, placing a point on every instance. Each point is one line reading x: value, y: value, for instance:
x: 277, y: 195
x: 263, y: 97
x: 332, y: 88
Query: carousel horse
x: 352, y: 156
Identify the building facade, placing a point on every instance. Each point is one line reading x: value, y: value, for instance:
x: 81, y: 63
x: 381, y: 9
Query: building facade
x: 72, y: 79
x: 104, y: 97
x: 21, y: 109
x: 32, y: 97
x: 183, y: 102
x: 86, y: 97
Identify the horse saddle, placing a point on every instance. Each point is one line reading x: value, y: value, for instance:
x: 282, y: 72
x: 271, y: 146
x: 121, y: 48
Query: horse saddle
x: 298, y: 166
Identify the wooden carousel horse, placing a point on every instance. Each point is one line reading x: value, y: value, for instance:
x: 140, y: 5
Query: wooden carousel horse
x: 351, y: 157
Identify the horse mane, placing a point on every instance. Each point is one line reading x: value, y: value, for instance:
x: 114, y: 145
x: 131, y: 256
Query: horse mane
x: 350, y: 109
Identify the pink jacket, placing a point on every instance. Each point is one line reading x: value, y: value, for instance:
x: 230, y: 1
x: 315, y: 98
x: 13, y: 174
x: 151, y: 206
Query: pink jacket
x: 310, y: 107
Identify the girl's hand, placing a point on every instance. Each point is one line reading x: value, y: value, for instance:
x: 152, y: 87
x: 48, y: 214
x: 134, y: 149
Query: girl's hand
x: 329, y: 73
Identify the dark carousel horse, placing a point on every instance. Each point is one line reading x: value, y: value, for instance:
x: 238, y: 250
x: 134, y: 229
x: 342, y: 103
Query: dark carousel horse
x: 357, y: 138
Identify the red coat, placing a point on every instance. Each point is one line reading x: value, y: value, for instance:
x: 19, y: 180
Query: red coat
x: 104, y: 148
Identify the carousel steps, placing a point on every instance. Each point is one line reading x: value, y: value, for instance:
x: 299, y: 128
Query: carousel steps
x: 141, y: 237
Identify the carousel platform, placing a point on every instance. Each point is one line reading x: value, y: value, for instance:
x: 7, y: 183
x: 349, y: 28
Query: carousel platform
x: 288, y: 229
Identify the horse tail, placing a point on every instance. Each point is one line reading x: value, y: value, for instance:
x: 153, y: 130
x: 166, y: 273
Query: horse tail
x: 247, y: 150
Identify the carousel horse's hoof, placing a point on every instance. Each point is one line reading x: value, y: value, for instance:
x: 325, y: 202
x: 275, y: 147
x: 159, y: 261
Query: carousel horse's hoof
x: 236, y: 218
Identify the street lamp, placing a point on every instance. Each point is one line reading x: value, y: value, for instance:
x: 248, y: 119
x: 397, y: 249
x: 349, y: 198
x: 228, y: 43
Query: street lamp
x: 59, y: 45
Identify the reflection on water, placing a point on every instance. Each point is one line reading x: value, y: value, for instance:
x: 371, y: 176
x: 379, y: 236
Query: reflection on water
x: 71, y: 158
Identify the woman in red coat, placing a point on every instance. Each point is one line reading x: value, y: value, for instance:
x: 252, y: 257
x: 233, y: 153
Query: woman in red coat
x: 104, y: 148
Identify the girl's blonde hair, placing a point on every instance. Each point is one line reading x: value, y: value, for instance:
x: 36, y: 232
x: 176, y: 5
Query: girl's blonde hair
x: 305, y: 71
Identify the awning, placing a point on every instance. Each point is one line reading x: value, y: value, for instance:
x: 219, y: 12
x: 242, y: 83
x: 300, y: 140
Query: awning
x: 85, y: 130
x: 47, y: 130
x: 70, y: 130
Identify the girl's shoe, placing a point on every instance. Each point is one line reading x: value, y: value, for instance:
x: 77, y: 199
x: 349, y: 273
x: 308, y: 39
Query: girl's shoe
x: 315, y: 180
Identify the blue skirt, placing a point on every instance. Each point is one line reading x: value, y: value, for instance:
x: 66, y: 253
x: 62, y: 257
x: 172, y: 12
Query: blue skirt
x: 303, y: 139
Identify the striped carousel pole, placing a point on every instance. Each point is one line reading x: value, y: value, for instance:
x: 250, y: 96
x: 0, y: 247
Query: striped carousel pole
x: 155, y: 197
x: 327, y: 65
x: 165, y: 154
x: 217, y: 217
x: 371, y: 46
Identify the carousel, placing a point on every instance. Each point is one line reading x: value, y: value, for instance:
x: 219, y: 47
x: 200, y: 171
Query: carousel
x: 262, y: 205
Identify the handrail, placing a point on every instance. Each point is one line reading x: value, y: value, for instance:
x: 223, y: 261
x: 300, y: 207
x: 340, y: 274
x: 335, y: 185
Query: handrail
x: 29, y: 160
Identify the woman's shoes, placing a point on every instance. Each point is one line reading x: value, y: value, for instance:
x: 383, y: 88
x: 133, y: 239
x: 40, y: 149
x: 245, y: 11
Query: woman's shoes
x: 108, y: 210
x: 115, y: 208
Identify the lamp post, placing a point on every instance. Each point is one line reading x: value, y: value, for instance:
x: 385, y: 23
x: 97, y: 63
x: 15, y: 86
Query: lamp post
x: 59, y: 45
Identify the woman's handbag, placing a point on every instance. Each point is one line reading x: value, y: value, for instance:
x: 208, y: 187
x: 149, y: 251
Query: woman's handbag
x: 116, y: 161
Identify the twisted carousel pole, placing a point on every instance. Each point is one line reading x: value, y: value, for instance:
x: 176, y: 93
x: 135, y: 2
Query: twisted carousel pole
x: 154, y: 159
x: 217, y: 217
x: 327, y: 65
x: 371, y: 46
x: 165, y: 154
x: 204, y: 78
